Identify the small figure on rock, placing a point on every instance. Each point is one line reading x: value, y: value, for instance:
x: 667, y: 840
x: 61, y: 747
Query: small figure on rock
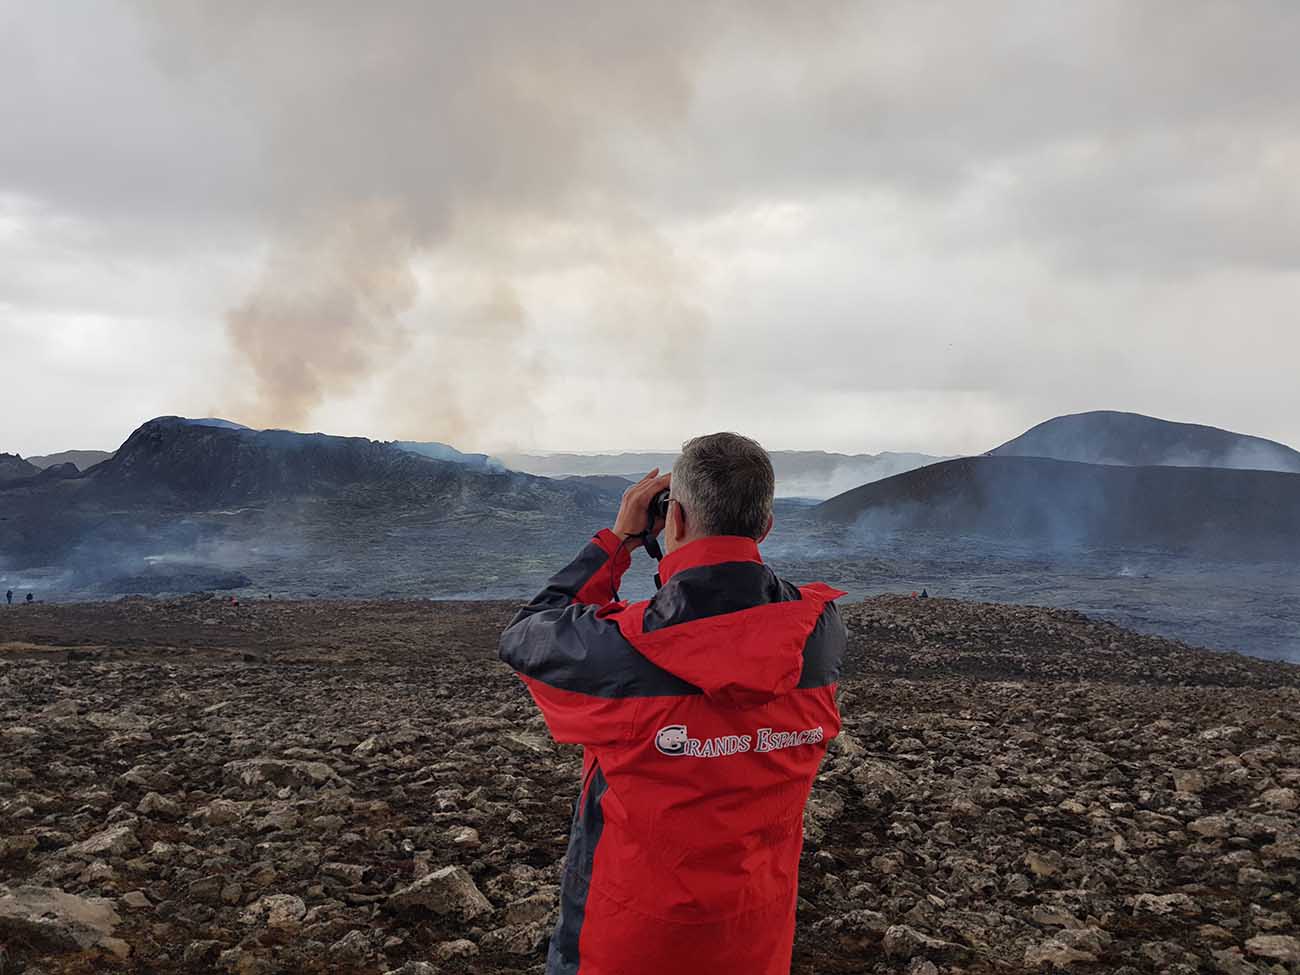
x: 10, y: 596
x: 925, y: 594
x: 30, y: 598
x: 682, y: 702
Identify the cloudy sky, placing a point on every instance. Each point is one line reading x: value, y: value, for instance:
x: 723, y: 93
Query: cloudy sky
x: 589, y: 225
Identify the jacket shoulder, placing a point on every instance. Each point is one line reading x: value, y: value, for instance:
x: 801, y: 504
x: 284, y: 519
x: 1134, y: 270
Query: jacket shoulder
x: 582, y: 649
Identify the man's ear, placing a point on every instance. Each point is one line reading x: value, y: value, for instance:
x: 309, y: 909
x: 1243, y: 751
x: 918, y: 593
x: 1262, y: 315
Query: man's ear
x: 767, y: 530
x: 676, y: 521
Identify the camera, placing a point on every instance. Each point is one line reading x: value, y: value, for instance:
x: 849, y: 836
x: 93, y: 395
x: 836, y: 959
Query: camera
x: 658, y: 510
x: 659, y: 506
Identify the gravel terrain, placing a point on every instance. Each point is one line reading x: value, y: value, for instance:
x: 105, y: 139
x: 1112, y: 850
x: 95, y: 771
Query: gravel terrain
x: 195, y: 786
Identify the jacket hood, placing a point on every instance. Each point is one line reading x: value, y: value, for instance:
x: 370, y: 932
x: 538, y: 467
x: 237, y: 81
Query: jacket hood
x: 743, y: 659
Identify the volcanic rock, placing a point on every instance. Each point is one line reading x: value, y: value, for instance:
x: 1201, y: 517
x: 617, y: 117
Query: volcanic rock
x: 160, y: 806
x: 1281, y: 800
x: 252, y: 773
x: 902, y: 941
x: 1164, y: 905
x: 1057, y: 954
x: 283, y: 911
x: 57, y: 922
x: 460, y: 948
x: 1279, y: 947
x: 352, y: 949
x: 114, y: 841
x: 17, y: 846
x: 449, y: 890
x: 1006, y: 794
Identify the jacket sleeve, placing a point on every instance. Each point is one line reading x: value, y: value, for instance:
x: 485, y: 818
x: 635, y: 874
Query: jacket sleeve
x: 592, y: 578
x: 573, y: 660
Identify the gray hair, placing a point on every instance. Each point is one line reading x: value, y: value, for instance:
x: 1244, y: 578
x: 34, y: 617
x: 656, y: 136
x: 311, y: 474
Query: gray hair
x: 725, y: 484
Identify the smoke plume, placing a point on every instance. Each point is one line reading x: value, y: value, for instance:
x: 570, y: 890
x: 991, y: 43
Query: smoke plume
x: 325, y: 312
x: 420, y: 142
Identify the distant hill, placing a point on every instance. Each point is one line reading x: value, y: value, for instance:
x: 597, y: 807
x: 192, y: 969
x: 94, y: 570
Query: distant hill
x: 56, y: 472
x: 14, y: 468
x: 442, y: 451
x: 179, y: 461
x: 1134, y: 440
x: 1224, y: 513
x: 799, y: 473
x: 83, y: 459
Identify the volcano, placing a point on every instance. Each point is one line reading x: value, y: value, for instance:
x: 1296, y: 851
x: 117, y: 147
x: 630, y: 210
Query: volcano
x: 1134, y: 440
x: 1230, y: 514
x: 181, y: 493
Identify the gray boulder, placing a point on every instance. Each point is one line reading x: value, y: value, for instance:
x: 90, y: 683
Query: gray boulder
x: 449, y: 891
x: 55, y: 922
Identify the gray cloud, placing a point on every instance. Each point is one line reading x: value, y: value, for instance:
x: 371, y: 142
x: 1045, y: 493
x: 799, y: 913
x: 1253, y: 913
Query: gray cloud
x: 857, y: 226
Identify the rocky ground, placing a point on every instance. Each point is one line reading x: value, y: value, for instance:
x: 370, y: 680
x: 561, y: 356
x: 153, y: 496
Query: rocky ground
x: 192, y: 786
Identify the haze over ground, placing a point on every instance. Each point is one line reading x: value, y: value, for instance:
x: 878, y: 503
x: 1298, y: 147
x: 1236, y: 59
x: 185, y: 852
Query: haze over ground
x: 859, y: 228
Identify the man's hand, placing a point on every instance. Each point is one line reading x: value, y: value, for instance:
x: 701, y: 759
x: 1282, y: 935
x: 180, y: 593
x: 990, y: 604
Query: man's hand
x: 635, y: 509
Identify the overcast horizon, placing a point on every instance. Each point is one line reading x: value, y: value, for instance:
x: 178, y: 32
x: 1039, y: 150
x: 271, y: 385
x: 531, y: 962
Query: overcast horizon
x: 615, y: 449
x: 853, y: 227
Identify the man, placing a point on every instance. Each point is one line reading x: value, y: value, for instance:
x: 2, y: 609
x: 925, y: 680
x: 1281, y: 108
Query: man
x: 705, y: 712
x: 10, y: 597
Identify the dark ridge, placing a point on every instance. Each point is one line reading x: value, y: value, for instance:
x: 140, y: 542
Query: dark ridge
x: 1225, y: 513
x: 187, y: 488
x: 1134, y: 440
x: 173, y: 460
x: 14, y: 468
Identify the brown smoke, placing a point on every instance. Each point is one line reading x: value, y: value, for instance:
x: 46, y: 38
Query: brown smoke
x: 325, y: 312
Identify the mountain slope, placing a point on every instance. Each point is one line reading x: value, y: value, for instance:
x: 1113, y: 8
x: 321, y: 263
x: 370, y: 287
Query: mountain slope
x: 172, y: 460
x: 14, y: 468
x: 1227, y: 513
x: 184, y: 500
x: 1131, y: 439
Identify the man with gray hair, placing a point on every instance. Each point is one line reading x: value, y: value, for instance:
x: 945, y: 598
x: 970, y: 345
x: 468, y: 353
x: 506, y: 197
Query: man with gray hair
x: 704, y: 713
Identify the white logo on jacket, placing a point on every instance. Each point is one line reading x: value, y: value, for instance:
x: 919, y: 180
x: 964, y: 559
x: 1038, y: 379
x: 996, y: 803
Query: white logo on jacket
x: 671, y: 739
x: 674, y: 740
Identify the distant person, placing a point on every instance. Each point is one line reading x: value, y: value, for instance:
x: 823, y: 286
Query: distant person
x: 705, y: 712
x: 10, y: 597
x: 925, y: 593
x: 30, y: 597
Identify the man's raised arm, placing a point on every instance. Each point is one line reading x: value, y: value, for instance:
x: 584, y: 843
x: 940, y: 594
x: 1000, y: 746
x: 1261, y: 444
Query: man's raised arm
x: 572, y: 660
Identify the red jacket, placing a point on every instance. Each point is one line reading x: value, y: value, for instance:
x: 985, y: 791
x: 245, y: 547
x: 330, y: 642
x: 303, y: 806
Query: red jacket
x: 705, y: 712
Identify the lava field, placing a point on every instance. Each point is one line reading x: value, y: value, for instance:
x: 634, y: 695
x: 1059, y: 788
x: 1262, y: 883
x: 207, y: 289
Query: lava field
x: 196, y: 786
